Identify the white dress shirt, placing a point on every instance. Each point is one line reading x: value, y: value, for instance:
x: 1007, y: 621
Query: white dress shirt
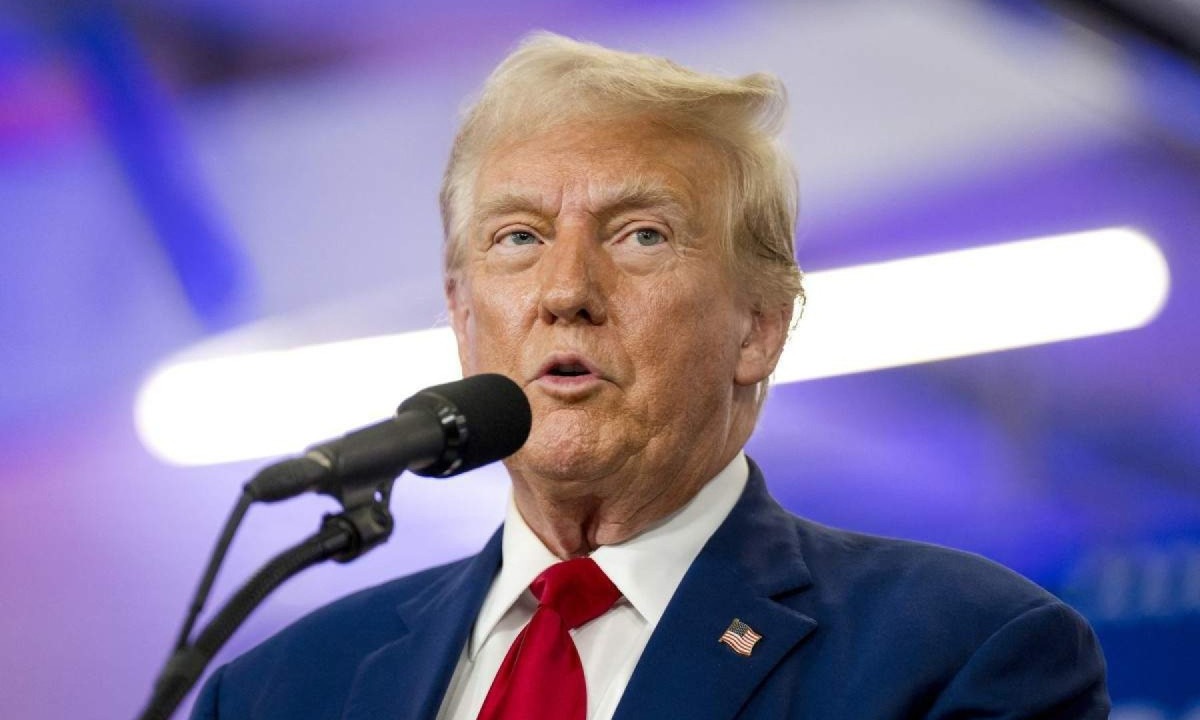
x: 646, y: 569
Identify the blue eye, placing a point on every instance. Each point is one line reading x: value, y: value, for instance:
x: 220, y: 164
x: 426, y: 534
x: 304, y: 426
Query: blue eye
x: 648, y: 237
x: 520, y: 237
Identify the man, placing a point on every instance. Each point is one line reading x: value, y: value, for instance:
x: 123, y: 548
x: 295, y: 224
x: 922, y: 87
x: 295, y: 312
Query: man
x: 619, y: 242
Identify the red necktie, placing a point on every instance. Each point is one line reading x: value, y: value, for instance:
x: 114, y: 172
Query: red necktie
x: 542, y: 677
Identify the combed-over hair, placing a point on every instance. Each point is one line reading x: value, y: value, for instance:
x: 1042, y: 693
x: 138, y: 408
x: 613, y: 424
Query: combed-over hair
x: 550, y: 80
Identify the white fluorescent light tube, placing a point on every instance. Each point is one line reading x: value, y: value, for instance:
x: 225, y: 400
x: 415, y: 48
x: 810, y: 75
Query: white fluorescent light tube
x: 974, y: 301
x: 276, y: 402
x: 867, y: 317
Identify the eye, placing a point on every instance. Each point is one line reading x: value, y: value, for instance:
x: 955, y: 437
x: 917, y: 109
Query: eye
x: 648, y: 237
x: 518, y: 238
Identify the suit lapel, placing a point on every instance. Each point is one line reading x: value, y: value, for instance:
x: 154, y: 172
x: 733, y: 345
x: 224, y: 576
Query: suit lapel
x: 390, y: 683
x: 751, y: 561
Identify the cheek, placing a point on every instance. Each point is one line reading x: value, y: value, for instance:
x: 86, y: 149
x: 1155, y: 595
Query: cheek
x: 685, y: 338
x: 496, y: 327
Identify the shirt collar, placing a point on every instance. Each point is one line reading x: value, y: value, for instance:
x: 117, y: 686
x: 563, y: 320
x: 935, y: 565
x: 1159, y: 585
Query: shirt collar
x: 524, y: 558
x: 646, y: 568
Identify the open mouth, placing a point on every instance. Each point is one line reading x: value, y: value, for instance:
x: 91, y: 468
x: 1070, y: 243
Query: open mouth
x: 568, y: 370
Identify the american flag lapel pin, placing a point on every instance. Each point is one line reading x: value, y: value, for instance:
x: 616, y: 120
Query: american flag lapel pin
x: 740, y: 637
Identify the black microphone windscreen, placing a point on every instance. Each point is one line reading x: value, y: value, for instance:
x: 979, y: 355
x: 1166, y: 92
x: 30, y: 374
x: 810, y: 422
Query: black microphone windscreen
x: 496, y: 413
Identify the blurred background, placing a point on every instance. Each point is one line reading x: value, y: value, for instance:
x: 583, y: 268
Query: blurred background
x: 173, y: 171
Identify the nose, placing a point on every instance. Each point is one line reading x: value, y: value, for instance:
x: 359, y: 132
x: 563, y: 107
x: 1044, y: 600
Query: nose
x: 571, y: 274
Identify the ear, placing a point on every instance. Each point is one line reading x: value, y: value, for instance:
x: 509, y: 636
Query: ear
x: 458, y: 303
x: 763, y: 343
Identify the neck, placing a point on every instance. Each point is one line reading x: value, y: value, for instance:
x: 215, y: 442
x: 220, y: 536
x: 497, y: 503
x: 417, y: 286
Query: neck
x: 573, y: 519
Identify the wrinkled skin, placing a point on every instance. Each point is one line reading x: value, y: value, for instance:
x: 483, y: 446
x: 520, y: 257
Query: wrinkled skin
x: 593, y: 278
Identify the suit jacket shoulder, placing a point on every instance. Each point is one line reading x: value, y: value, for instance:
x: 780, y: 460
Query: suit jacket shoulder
x: 870, y: 577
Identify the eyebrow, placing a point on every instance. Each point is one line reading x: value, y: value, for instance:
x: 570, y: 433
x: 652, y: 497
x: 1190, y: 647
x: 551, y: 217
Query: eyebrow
x: 505, y: 204
x: 634, y: 194
x: 639, y: 192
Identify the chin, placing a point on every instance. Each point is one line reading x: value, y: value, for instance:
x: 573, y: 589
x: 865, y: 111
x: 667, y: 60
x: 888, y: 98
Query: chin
x: 575, y: 456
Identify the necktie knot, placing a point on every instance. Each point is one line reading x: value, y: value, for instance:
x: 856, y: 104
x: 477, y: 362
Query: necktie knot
x: 577, y: 590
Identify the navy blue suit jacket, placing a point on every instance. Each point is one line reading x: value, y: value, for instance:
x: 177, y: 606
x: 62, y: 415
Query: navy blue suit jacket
x: 852, y: 626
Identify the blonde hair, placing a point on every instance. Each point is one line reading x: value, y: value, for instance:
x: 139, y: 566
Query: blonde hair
x: 550, y: 79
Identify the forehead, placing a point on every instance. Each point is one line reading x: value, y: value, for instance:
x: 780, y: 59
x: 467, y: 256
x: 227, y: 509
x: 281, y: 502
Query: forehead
x: 601, y: 165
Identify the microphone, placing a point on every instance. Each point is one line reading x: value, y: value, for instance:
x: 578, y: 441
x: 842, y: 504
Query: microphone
x: 441, y: 431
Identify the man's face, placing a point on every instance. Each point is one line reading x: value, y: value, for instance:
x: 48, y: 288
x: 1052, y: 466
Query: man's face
x: 592, y: 276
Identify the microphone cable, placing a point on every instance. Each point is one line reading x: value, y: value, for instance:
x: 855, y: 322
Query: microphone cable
x: 214, y: 565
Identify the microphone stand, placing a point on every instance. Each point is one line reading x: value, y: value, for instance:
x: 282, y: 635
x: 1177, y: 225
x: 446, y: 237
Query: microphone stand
x: 365, y: 522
